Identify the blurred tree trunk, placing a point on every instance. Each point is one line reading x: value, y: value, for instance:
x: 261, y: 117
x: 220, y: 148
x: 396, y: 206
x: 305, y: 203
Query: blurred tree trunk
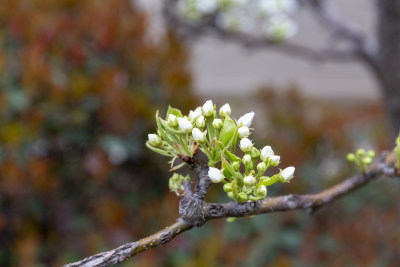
x: 389, y: 57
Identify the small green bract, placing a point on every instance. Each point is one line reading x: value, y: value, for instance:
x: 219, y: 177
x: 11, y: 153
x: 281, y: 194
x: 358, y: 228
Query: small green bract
x: 241, y: 173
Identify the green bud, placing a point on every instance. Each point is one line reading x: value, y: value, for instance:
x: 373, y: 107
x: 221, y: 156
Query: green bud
x: 236, y: 165
x: 246, y: 160
x: 261, y: 191
x: 255, y: 153
x: 231, y: 219
x: 227, y: 187
x: 351, y: 157
x: 360, y: 152
x: 371, y: 153
x: 367, y: 160
x: 230, y: 195
x: 242, y: 197
x: 261, y: 167
x: 154, y: 139
x: 217, y: 124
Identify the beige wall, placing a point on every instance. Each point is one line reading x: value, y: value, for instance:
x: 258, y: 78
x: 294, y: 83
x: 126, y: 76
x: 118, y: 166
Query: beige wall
x: 222, y: 68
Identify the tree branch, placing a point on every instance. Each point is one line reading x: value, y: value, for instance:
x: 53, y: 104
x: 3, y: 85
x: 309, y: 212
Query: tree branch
x: 128, y: 250
x: 209, y: 211
x: 209, y: 26
x: 327, y: 15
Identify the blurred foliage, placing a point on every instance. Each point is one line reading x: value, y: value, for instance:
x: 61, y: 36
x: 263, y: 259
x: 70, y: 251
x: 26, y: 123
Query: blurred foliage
x: 80, y: 83
x: 79, y: 86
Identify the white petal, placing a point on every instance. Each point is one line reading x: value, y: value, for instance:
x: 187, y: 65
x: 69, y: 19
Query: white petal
x: 246, y: 119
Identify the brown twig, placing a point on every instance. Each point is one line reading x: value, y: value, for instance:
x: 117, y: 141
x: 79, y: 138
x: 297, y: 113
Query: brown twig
x: 208, y: 211
x: 126, y: 251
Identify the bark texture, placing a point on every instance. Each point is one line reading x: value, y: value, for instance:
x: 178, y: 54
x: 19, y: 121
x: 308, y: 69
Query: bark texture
x: 388, y: 34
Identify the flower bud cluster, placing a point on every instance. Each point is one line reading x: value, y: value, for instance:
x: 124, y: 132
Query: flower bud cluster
x: 176, y: 184
x: 361, y: 158
x: 246, y: 16
x: 180, y: 136
x: 397, y: 151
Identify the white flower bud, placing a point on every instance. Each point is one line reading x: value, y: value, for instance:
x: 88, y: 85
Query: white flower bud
x: 215, y: 175
x: 225, y: 110
x: 246, y: 159
x: 287, y: 174
x: 185, y: 125
x: 261, y: 167
x: 243, y: 131
x: 193, y: 115
x: 271, y: 7
x: 274, y: 160
x: 172, y: 120
x: 154, y: 139
x: 208, y: 108
x: 198, y: 135
x: 246, y: 145
x: 261, y: 190
x: 200, y: 121
x: 246, y: 119
x: 217, y: 124
x: 205, y: 6
x: 266, y: 152
x: 249, y: 180
x: 280, y: 27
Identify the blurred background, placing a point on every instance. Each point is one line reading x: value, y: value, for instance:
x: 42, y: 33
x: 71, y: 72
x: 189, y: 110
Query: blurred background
x: 80, y: 84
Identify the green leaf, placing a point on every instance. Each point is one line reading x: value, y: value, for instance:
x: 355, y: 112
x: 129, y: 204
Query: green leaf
x: 228, y: 131
x: 158, y: 150
x: 233, y: 142
x: 173, y: 111
x: 235, y: 190
x: 232, y: 157
x: 267, y: 181
x: 227, y: 167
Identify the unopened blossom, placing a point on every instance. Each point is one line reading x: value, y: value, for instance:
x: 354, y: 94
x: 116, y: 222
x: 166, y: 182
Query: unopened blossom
x: 245, y: 145
x: 215, y: 175
x: 261, y: 190
x: 193, y: 115
x: 217, y: 124
x: 236, y: 19
x: 243, y: 131
x: 154, y: 139
x: 200, y: 121
x: 273, y: 7
x: 280, y: 27
x: 185, y: 125
x: 246, y: 159
x: 198, y: 135
x: 274, y: 160
x: 225, y: 110
x: 172, y: 120
x: 204, y: 6
x: 208, y: 108
x: 246, y: 119
x: 266, y: 152
x: 249, y: 180
x: 287, y: 174
x: 261, y: 167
